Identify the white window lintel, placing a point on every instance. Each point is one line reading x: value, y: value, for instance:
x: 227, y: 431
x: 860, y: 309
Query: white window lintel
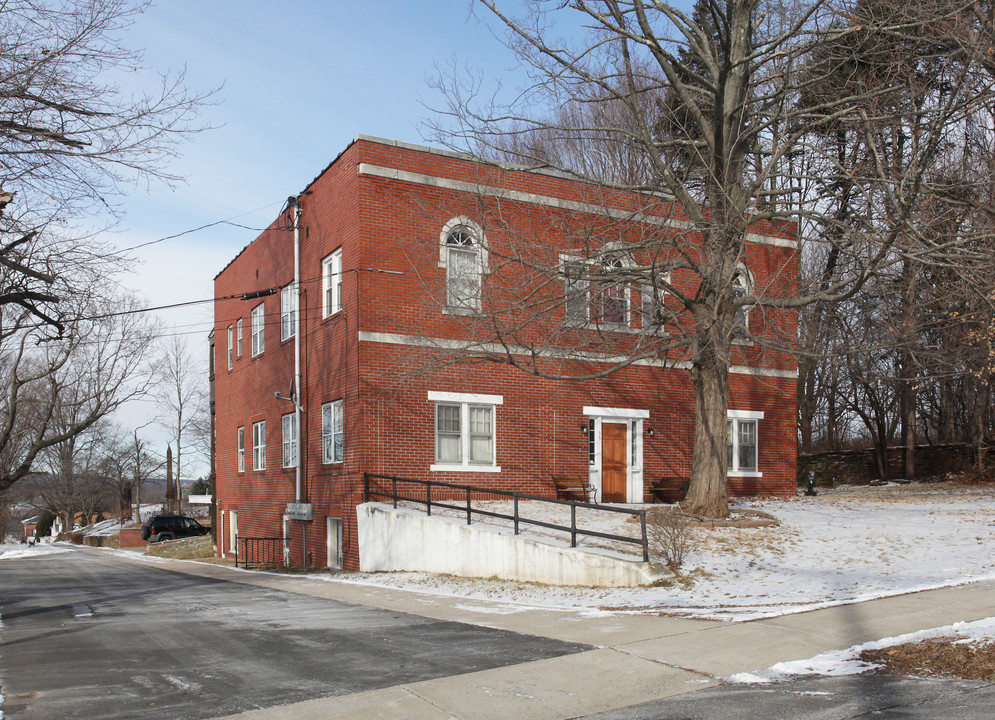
x: 465, y: 468
x: 616, y: 412
x: 471, y: 398
x: 745, y: 414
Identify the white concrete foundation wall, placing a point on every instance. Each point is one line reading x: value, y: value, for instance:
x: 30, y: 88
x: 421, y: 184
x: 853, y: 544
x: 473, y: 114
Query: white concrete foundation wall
x: 392, y: 540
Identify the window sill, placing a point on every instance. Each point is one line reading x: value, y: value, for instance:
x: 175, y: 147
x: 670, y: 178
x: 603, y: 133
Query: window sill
x: 463, y: 312
x: 744, y: 474
x: 465, y: 468
x: 616, y: 328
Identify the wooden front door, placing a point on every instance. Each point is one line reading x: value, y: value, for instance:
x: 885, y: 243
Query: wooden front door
x: 613, y: 456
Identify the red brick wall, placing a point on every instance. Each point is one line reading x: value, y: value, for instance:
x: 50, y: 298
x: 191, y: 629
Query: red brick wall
x: 387, y: 224
x: 131, y: 537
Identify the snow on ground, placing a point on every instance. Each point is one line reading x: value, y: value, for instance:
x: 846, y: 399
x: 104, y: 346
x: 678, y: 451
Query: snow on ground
x: 848, y: 662
x: 105, y: 528
x: 842, y: 546
x: 23, y: 550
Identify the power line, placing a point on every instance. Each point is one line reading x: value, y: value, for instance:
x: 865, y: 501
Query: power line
x: 227, y: 221
x: 187, y: 232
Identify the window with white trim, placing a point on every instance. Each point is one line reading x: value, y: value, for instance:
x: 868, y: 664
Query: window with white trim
x: 238, y: 338
x: 331, y: 283
x: 241, y: 449
x: 290, y: 440
x: 258, y: 321
x: 742, y: 434
x: 576, y: 297
x: 742, y: 285
x: 259, y: 445
x: 231, y: 348
x: 613, y: 297
x: 464, y: 258
x: 332, y: 433
x: 465, y: 431
x: 653, y: 310
x: 592, y: 446
x: 288, y: 311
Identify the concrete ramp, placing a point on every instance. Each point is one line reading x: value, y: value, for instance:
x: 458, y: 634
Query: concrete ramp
x: 402, y: 539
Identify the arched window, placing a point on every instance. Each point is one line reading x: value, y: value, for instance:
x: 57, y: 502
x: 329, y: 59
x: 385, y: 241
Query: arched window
x: 614, y: 294
x: 464, y: 257
x: 742, y: 286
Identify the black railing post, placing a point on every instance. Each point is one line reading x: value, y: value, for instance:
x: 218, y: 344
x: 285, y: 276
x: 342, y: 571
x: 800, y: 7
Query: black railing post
x: 393, y: 489
x: 573, y: 525
x: 428, y: 500
x: 366, y: 487
x: 516, y: 513
x: 646, y: 544
x: 469, y: 511
x: 236, y: 549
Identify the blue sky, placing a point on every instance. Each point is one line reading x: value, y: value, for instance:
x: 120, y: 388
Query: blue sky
x: 298, y: 84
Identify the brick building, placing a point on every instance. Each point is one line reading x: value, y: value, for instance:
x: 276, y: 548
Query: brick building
x: 404, y: 259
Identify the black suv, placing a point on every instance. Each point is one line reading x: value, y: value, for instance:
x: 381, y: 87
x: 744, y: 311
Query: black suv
x: 171, y: 527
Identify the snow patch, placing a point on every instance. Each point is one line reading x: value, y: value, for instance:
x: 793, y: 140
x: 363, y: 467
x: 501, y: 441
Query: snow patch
x: 847, y: 662
x: 17, y: 552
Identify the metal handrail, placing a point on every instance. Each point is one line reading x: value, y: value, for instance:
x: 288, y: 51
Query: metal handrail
x: 259, y: 551
x: 466, y: 507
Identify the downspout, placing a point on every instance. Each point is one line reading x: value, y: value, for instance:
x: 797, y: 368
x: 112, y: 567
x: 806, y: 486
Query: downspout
x: 297, y: 341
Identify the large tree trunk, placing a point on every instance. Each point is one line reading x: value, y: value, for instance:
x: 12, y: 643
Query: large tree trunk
x: 806, y: 402
x: 907, y: 371
x: 708, y: 494
x: 977, y: 422
x: 947, y: 429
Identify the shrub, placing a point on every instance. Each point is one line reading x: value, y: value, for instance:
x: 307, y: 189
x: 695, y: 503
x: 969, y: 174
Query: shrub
x: 670, y: 534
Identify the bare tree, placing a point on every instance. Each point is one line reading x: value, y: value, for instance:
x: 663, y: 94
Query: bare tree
x: 55, y: 389
x: 73, y: 486
x: 81, y: 120
x: 182, y: 397
x: 729, y: 112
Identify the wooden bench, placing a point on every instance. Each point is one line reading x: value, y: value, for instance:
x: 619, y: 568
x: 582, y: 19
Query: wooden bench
x: 572, y: 487
x: 670, y: 489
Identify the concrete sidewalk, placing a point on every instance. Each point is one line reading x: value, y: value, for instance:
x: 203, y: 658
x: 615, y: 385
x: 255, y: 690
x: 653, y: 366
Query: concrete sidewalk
x: 638, y: 658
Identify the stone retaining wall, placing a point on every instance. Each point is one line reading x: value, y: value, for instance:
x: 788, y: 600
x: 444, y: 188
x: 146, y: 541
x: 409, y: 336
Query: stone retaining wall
x: 857, y: 467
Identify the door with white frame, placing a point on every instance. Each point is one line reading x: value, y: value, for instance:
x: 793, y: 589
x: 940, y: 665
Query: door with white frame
x: 286, y: 541
x: 333, y: 542
x: 233, y: 531
x: 221, y: 532
x: 615, y: 456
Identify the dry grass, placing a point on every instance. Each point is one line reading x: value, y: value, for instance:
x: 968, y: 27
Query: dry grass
x: 940, y: 657
x: 186, y: 549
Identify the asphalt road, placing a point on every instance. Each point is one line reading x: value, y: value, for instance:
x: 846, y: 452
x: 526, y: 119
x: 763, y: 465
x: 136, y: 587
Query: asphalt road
x: 825, y: 698
x: 85, y: 635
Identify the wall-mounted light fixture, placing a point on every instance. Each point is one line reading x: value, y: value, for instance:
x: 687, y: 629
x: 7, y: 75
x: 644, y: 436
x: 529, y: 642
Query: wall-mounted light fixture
x: 649, y: 431
x: 583, y: 428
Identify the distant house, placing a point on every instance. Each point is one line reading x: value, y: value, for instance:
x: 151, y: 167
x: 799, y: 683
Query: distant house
x: 395, y: 245
x: 29, y: 525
